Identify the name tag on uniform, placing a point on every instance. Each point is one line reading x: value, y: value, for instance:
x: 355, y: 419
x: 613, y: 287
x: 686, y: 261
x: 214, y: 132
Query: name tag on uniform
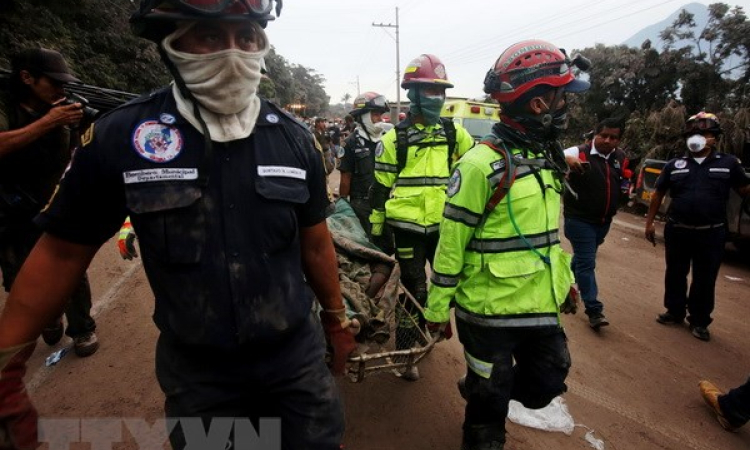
x: 719, y: 169
x: 162, y: 174
x: 680, y: 171
x: 282, y: 171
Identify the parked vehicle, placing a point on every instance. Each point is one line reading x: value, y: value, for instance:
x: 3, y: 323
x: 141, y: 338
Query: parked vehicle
x: 738, y: 208
x: 478, y: 118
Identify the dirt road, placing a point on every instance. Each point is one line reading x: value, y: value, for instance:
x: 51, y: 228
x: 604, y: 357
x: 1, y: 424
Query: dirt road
x: 635, y: 383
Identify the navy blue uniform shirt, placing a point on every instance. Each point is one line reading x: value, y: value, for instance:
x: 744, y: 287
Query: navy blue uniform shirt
x: 359, y: 160
x: 700, y: 192
x: 223, y: 260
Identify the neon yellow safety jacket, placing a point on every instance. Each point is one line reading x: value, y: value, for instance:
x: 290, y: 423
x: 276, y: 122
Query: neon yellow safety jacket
x: 487, y: 267
x: 417, y: 191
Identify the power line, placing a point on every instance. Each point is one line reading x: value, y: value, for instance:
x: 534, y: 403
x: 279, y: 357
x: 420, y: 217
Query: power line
x: 480, y: 52
x: 492, y: 41
x: 617, y: 18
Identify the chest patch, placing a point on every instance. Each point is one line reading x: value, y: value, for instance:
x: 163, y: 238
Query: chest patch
x: 157, y: 142
x: 454, y: 184
x: 161, y: 174
x: 379, y: 150
x: 675, y: 172
x: 282, y: 171
x: 680, y: 164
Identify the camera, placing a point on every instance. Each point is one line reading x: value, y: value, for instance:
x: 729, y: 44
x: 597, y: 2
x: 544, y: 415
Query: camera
x: 89, y: 113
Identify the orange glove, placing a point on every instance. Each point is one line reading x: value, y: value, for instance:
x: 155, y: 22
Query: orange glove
x: 126, y: 241
x: 18, y: 417
x: 339, y: 337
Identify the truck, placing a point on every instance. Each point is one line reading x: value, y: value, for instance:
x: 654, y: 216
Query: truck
x: 738, y: 208
x: 477, y: 117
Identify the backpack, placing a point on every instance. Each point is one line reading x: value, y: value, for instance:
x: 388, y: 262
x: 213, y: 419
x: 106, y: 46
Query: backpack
x: 402, y: 141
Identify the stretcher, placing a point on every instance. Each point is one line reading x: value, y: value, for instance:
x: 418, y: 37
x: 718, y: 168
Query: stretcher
x: 377, y: 301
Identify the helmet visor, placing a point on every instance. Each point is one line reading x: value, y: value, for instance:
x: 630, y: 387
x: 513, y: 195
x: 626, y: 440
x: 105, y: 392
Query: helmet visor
x: 256, y: 7
x: 378, y: 102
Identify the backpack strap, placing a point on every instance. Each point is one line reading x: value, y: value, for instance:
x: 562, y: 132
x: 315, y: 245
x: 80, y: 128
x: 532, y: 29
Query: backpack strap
x: 450, y: 136
x: 402, y: 141
x: 508, y: 178
x: 402, y: 144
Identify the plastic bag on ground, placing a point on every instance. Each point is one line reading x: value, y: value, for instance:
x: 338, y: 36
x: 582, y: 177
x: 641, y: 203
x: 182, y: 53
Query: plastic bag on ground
x: 597, y: 444
x: 553, y: 417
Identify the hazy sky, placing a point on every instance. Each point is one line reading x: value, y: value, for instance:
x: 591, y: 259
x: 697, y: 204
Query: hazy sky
x: 338, y: 40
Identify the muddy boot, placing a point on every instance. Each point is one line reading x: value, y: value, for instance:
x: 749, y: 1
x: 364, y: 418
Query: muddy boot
x: 484, y: 437
x: 597, y: 320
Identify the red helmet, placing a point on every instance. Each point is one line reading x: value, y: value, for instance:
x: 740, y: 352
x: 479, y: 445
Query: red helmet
x: 702, y: 122
x: 156, y: 18
x: 425, y: 69
x: 369, y: 101
x: 532, y: 63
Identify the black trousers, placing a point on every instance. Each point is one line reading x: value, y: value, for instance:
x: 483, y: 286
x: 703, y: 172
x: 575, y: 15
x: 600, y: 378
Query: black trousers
x: 702, y: 250
x: 288, y: 380
x: 413, y: 252
x: 736, y: 405
x: 542, y: 363
x: 15, y: 247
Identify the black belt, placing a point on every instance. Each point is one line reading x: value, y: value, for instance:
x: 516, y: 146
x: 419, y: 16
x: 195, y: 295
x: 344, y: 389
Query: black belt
x: 697, y: 227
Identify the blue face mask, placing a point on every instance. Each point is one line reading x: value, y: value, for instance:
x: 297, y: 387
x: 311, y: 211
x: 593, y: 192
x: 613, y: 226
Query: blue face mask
x: 428, y: 106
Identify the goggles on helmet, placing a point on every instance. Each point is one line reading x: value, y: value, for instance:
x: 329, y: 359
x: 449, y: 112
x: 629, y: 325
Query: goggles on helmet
x: 156, y: 18
x: 370, y: 102
x: 210, y: 7
x: 702, y: 122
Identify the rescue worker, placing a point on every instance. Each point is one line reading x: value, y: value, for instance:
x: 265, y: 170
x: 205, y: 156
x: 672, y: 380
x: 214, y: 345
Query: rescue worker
x: 412, y: 167
x: 499, y: 259
x: 358, y: 162
x: 38, y: 127
x: 696, y: 231
x: 227, y: 195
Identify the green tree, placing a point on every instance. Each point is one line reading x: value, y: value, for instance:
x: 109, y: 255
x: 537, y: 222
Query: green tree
x: 706, y: 82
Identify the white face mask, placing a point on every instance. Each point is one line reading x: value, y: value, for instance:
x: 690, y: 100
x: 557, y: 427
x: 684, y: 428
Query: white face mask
x: 696, y: 143
x: 224, y: 83
x: 373, y: 129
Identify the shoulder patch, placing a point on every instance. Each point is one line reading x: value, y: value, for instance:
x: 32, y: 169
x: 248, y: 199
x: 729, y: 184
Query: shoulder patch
x: 454, y: 184
x: 157, y: 142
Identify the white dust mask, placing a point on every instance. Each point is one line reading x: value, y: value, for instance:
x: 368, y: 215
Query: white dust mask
x: 375, y: 130
x: 224, y: 83
x: 696, y: 143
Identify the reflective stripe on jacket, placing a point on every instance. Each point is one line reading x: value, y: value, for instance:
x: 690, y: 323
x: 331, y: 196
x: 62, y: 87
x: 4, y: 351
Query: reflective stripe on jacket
x: 489, y: 270
x: 418, y: 190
